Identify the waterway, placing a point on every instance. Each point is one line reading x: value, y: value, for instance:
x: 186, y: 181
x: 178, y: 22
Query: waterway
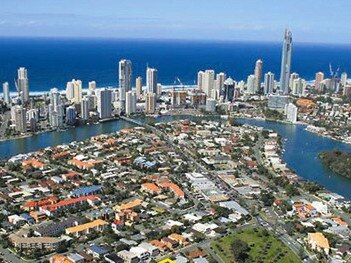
x: 301, y: 147
x: 36, y: 142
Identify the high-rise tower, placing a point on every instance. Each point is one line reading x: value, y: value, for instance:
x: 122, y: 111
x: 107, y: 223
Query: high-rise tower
x: 104, y: 103
x: 151, y: 80
x: 6, y: 93
x: 22, y: 84
x: 268, y: 83
x: 258, y: 76
x: 286, y: 62
x: 125, y: 79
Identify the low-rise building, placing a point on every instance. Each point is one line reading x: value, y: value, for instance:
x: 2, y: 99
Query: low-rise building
x: 318, y: 242
x: 35, y: 242
x: 86, y: 228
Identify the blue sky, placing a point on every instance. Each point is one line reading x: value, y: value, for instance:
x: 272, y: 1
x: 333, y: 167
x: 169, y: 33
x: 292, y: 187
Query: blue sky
x: 310, y: 20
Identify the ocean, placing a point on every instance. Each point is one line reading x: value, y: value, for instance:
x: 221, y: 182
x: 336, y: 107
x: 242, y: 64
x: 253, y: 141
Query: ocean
x: 51, y: 62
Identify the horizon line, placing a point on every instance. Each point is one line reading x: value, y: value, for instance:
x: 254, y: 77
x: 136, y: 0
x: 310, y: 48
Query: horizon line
x: 167, y: 39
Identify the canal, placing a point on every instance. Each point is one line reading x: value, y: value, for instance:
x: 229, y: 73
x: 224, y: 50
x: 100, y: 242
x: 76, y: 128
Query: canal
x: 301, y: 147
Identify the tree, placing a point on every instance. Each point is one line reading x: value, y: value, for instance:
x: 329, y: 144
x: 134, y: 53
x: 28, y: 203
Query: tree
x: 240, y: 250
x: 222, y: 211
x: 291, y: 190
x: 267, y: 198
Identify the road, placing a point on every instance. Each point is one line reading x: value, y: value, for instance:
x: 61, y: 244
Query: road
x: 10, y: 257
x: 186, y: 154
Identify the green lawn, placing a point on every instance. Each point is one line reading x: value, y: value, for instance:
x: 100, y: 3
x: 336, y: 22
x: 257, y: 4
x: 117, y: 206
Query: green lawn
x: 263, y: 249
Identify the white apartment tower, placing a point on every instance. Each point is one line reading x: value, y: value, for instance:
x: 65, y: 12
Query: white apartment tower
x: 55, y: 109
x: 131, y: 100
x: 268, y: 83
x: 291, y: 112
x: 343, y: 79
x: 200, y: 80
x: 297, y: 86
x: 151, y: 80
x: 22, y: 84
x: 74, y: 91
x: 293, y: 76
x: 250, y: 84
x: 208, y: 82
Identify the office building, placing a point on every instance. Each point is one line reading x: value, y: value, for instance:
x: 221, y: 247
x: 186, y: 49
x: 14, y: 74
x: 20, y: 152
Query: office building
x: 124, y: 80
x: 150, y: 103
x: 318, y: 81
x: 200, y: 80
x: 71, y: 115
x: 250, y: 84
x: 291, y: 113
x: 268, y: 83
x: 74, y: 91
x: 208, y: 82
x: 19, y: 118
x: 104, y: 103
x: 85, y: 108
x: 258, y: 76
x: 151, y: 80
x: 139, y: 86
x: 229, y: 87
x: 22, y: 84
x: 131, y: 100
x: 6, y: 93
x: 286, y: 62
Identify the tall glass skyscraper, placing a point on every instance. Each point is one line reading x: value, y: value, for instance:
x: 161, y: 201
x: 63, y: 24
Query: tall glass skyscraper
x: 286, y: 62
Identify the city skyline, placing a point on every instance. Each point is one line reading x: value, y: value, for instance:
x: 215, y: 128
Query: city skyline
x: 176, y: 20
